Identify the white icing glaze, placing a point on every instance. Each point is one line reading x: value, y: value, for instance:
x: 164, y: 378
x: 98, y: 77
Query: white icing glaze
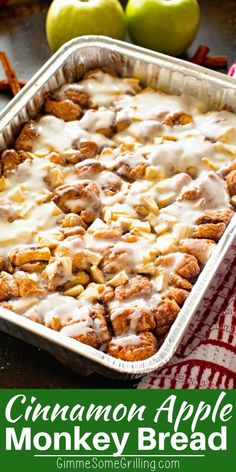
x: 137, y: 306
x: 218, y: 125
x: 137, y: 191
x: 94, y: 120
x: 213, y: 196
x: 136, y: 252
x: 75, y: 244
x: 103, y: 179
x: 131, y: 159
x: 140, y: 131
x: 56, y: 134
x: 102, y: 88
x: 151, y: 104
x: 177, y: 155
x: 28, y: 181
x: 76, y: 329
x: 55, y: 305
x: 174, y: 184
x: 75, y: 315
x: 201, y: 246
x: 91, y: 241
x: 181, y: 156
x: 212, y: 188
x: 171, y: 186
x: 129, y: 340
x: 184, y: 212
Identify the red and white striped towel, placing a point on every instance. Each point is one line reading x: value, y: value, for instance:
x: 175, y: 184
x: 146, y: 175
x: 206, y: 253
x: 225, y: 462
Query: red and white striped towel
x: 206, y: 357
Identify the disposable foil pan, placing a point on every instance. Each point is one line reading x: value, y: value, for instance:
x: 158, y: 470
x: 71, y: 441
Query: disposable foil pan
x: 168, y: 74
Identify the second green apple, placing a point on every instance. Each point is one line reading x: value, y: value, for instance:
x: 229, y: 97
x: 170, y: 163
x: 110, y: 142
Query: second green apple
x: 167, y: 26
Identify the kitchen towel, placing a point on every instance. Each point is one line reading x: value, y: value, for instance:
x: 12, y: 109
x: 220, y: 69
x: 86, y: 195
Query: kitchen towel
x: 206, y: 357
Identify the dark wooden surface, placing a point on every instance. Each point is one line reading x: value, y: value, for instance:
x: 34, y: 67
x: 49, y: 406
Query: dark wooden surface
x: 23, y: 38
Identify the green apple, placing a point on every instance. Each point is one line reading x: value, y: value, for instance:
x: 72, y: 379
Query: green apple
x: 67, y: 19
x: 167, y: 26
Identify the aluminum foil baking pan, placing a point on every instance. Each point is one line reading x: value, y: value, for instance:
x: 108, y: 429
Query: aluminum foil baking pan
x: 168, y: 74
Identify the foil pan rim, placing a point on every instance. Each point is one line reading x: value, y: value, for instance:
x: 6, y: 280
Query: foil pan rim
x: 176, y: 332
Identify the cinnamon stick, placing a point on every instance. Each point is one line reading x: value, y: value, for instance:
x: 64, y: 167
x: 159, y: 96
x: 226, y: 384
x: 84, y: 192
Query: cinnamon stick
x: 4, y: 84
x: 216, y: 61
x: 200, y: 55
x: 10, y: 73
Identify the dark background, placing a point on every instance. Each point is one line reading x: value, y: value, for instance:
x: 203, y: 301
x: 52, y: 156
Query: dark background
x: 22, y: 37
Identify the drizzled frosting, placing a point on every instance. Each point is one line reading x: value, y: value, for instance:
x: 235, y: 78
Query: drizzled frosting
x: 174, y: 160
